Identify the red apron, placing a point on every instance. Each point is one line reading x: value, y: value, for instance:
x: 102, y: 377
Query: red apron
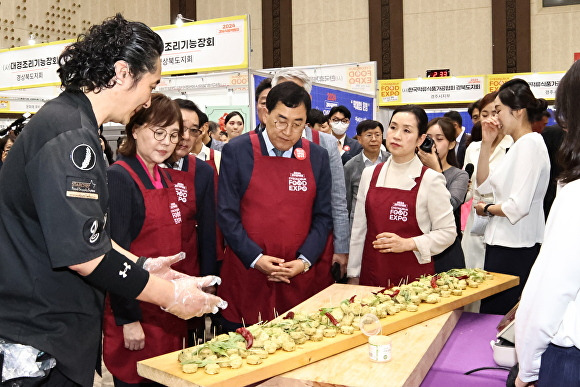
x: 277, y: 215
x: 184, y: 182
x: 391, y: 210
x: 159, y: 236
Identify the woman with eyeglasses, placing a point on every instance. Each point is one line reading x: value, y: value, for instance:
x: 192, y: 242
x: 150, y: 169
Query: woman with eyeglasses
x: 145, y: 215
x: 403, y: 213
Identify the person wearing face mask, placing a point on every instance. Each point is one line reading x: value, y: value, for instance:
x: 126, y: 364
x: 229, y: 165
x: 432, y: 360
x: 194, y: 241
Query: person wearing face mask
x: 516, y: 225
x: 339, y: 118
x: 403, y: 213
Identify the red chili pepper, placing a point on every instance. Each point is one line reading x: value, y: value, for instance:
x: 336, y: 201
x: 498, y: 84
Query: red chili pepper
x: 247, y: 335
x: 462, y: 277
x: 434, y: 281
x: 289, y: 316
x: 382, y: 291
x: 331, y: 318
x: 351, y: 300
x: 395, y: 293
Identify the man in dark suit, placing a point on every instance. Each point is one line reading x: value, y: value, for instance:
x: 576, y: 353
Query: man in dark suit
x: 261, y: 94
x: 274, y: 209
x: 339, y: 117
x: 370, y: 134
x: 460, y: 134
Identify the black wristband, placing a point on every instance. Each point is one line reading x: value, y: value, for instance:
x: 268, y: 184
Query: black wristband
x: 141, y: 261
x: 486, y: 209
x: 117, y: 274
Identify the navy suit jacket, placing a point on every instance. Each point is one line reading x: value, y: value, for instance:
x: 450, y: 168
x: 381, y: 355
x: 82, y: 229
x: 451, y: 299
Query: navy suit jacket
x: 235, y: 173
x: 355, y: 149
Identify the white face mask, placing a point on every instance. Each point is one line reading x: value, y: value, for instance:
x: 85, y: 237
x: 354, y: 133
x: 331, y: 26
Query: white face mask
x: 339, y: 128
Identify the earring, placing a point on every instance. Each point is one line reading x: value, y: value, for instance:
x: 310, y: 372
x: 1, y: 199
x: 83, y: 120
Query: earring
x: 119, y: 82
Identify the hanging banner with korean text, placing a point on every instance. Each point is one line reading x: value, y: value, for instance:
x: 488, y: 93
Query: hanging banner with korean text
x: 424, y: 91
x: 193, y: 47
x: 543, y: 85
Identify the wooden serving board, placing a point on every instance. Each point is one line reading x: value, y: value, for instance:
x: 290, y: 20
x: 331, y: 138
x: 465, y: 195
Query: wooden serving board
x: 166, y: 369
x: 414, y: 351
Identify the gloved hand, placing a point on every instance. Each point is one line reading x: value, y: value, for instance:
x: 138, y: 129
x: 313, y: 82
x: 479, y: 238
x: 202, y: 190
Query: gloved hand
x: 190, y: 301
x: 161, y: 266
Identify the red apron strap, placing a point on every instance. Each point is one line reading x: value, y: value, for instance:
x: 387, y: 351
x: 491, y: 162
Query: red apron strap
x: 315, y: 137
x: 136, y: 178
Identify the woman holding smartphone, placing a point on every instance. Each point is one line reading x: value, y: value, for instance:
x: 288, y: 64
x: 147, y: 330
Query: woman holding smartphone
x: 403, y: 212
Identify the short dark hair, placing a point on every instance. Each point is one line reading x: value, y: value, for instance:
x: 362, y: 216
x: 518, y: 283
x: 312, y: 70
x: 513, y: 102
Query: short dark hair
x: 516, y: 94
x: 365, y: 125
x: 232, y: 115
x: 162, y: 112
x: 419, y: 114
x: 472, y: 107
x: 454, y: 116
x: 341, y: 109
x: 265, y: 84
x: 446, y: 125
x: 203, y: 119
x: 89, y: 63
x: 315, y: 116
x: 213, y: 127
x: 290, y: 94
x: 190, y: 105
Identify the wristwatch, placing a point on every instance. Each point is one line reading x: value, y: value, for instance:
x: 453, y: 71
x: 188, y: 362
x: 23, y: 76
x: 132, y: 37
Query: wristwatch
x: 306, y: 265
x: 486, y: 209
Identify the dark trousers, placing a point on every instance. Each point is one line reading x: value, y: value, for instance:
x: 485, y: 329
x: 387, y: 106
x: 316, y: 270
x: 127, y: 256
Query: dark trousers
x: 560, y: 367
x: 507, y: 260
x: 54, y: 379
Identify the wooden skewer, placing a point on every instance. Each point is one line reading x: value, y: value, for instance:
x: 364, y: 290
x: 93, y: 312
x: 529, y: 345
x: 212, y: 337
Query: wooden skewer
x: 243, y: 323
x: 259, y: 317
x: 183, y: 347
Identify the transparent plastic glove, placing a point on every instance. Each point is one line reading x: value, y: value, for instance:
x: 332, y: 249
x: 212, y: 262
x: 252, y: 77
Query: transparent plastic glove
x: 161, y: 266
x: 190, y: 301
x: 208, y: 280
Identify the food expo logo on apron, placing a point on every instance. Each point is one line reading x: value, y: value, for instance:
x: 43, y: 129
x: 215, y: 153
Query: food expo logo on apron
x: 399, y: 211
x: 181, y: 191
x: 175, y: 213
x: 297, y: 182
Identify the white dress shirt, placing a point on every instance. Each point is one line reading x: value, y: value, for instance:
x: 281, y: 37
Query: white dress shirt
x: 204, y: 155
x: 519, y: 184
x: 368, y: 162
x: 549, y: 310
x: 433, y: 210
x: 473, y: 245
